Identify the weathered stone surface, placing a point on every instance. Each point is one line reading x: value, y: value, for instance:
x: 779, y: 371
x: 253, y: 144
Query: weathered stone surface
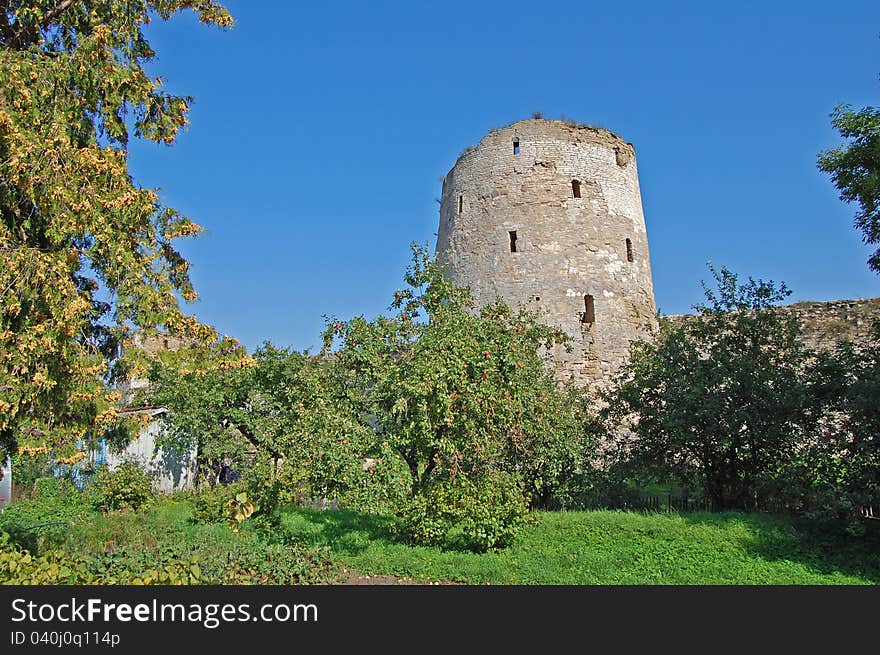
x: 824, y: 324
x: 568, y: 249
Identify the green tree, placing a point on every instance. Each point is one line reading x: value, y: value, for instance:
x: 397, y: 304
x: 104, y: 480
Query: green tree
x: 287, y: 409
x: 855, y: 169
x: 86, y: 254
x: 718, y: 399
x: 458, y: 392
x: 837, y: 470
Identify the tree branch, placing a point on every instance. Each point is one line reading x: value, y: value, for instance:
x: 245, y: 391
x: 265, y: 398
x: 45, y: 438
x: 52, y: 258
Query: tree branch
x: 17, y: 36
x: 52, y: 14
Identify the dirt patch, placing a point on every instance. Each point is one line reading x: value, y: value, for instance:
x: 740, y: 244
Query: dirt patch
x: 353, y: 578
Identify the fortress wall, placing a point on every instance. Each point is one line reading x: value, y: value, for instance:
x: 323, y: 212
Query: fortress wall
x: 824, y: 324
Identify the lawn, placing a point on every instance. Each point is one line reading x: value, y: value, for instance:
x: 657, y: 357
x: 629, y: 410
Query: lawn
x: 607, y: 547
x: 596, y: 547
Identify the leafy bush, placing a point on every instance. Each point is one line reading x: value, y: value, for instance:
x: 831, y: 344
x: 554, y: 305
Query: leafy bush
x: 179, y: 559
x: 209, y: 503
x: 29, y: 467
x: 207, y: 560
x: 54, y: 490
x: 127, y: 487
x: 39, y: 524
x: 824, y: 482
x: 212, y: 504
x: 378, y: 488
x: 58, y: 567
x: 238, y: 509
x: 720, y: 398
x: 18, y: 566
x: 261, y: 563
x: 450, y: 388
x: 136, y: 565
x: 467, y: 514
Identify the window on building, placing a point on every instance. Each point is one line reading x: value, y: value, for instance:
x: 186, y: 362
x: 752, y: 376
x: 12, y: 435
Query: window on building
x: 516, y: 146
x: 576, y: 188
x: 512, y: 235
x: 629, y: 250
x: 589, y: 315
x: 460, y: 203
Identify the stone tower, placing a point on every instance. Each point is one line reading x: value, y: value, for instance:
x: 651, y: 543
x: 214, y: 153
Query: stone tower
x: 548, y: 216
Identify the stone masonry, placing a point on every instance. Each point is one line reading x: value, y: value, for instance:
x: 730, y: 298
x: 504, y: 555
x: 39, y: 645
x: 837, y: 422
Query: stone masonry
x: 548, y: 216
x: 823, y: 324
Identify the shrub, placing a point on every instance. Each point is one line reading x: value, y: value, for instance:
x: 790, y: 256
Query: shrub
x: 206, y: 560
x: 720, y: 398
x: 209, y: 503
x: 261, y: 563
x: 29, y: 467
x: 39, y: 523
x: 18, y: 566
x: 127, y: 487
x: 472, y: 514
x: 175, y: 562
x: 54, y: 490
x: 212, y: 504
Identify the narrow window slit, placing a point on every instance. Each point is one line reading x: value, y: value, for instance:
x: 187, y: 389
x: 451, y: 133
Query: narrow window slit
x: 516, y: 146
x: 460, y: 203
x: 629, y: 250
x: 512, y: 235
x: 589, y: 315
x: 576, y: 188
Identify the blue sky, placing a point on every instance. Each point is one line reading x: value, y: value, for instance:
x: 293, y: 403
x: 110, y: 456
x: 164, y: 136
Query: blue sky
x: 320, y: 133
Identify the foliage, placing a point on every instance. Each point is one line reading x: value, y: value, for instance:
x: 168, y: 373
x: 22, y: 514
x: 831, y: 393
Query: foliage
x: 274, y: 563
x: 86, y: 255
x: 465, y: 513
x: 559, y: 451
x: 287, y: 414
x: 219, y: 504
x: 836, y: 471
x: 460, y: 391
x: 40, y: 523
x: 855, y: 169
x: 58, y: 567
x: 128, y: 486
x: 53, y: 490
x: 27, y: 468
x: 602, y: 489
x: 179, y: 562
x: 719, y: 400
x: 238, y: 508
x: 209, y: 503
x: 21, y: 567
x: 609, y: 547
x: 400, y: 398
x: 161, y: 546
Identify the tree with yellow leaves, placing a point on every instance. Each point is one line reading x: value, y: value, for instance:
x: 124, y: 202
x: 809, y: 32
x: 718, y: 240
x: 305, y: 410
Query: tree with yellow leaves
x: 86, y: 255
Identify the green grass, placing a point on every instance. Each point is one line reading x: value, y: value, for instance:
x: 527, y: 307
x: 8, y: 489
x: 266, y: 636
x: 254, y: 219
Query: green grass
x: 607, y: 547
x: 598, y: 547
x: 121, y: 545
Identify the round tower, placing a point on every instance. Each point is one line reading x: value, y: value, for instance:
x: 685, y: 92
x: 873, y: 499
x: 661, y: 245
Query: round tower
x: 548, y: 216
